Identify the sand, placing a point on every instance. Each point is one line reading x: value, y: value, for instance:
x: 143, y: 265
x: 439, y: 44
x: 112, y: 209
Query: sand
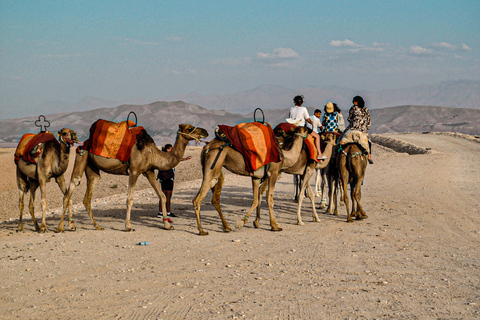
x: 416, y: 256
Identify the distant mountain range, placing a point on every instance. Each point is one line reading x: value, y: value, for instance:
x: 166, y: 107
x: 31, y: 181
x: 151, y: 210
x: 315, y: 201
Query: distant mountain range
x: 455, y: 94
x: 161, y: 119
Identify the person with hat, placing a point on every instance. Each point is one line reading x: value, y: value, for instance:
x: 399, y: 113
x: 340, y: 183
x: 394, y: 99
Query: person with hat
x: 331, y: 118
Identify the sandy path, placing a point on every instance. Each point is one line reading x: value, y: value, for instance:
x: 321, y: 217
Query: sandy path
x: 415, y: 257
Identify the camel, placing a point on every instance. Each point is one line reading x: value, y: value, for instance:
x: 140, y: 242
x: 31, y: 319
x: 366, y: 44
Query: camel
x: 51, y: 162
x: 305, y: 167
x: 352, y: 164
x: 145, y: 158
x: 218, y: 154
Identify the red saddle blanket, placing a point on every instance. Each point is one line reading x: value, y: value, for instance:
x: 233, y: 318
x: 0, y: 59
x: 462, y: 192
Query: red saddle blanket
x: 255, y: 141
x: 111, y: 139
x: 29, y: 141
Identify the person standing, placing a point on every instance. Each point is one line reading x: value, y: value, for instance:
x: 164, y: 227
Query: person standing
x: 167, y: 179
x: 300, y: 116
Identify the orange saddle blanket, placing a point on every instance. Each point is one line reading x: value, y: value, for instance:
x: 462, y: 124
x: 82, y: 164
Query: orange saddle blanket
x: 255, y: 141
x: 28, y: 142
x: 112, y: 140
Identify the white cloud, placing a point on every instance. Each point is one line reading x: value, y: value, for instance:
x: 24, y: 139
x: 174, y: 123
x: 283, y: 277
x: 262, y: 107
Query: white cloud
x: 279, y: 53
x: 451, y: 47
x: 420, y: 51
x: 344, y: 43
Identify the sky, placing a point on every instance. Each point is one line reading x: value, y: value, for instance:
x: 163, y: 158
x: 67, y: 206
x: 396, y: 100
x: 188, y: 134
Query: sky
x: 127, y: 50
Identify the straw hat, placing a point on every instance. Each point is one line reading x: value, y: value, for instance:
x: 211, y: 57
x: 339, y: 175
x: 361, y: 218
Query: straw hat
x: 329, y: 107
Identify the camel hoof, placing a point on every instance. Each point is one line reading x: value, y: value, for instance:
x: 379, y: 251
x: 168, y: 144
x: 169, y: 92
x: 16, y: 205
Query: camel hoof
x: 239, y: 224
x: 322, y: 206
x: 335, y: 213
x: 227, y: 229
x: 349, y: 220
x: 316, y: 220
x: 203, y: 233
x: 60, y: 230
x: 300, y: 223
x: 101, y: 229
x: 75, y: 228
x: 256, y: 224
x: 168, y: 226
x: 276, y: 229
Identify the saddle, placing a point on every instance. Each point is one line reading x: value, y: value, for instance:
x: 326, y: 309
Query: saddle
x: 254, y: 140
x: 111, y: 139
x: 30, y: 145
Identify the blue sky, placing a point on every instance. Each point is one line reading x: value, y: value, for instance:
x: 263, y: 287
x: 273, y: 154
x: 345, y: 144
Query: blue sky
x: 123, y: 50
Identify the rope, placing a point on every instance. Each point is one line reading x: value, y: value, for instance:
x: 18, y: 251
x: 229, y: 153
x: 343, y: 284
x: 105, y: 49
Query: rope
x: 189, y: 134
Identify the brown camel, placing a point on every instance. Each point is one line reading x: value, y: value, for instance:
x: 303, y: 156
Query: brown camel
x: 218, y: 154
x: 145, y: 158
x: 352, y: 164
x: 51, y: 162
x: 305, y: 167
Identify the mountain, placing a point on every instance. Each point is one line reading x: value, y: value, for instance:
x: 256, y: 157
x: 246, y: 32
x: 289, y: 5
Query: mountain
x: 161, y: 119
x: 456, y: 94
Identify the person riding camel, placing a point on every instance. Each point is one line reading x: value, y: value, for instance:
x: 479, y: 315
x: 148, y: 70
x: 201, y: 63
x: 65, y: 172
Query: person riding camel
x: 299, y: 115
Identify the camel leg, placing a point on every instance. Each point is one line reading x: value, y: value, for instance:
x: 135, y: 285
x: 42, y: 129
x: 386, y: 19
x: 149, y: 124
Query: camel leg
x: 197, y: 201
x: 318, y: 182
x: 344, y: 178
x: 75, y: 179
x: 358, y: 196
x: 208, y: 176
x: 271, y: 188
x: 132, y: 180
x: 263, y: 187
x: 150, y: 175
x: 256, y: 188
x: 61, y: 184
x: 22, y: 183
x: 323, y: 186
x: 217, y: 192
x: 43, y: 193
x: 93, y: 176
x: 311, y: 195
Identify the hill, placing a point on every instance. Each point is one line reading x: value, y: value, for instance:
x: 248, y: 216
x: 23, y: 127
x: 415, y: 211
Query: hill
x: 161, y: 120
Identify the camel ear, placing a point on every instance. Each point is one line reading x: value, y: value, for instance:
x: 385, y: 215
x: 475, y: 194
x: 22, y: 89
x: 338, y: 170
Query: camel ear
x: 182, y: 126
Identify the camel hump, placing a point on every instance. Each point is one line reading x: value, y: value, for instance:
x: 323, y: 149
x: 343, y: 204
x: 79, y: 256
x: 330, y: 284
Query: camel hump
x: 112, y: 139
x: 28, y: 147
x: 255, y: 141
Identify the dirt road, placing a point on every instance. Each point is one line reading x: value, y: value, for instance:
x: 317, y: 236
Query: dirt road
x: 415, y: 257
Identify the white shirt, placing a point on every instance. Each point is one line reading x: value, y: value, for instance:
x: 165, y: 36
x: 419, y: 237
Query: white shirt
x: 299, y: 113
x: 316, y: 123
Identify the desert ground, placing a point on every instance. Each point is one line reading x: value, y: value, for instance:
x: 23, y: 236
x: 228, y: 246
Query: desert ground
x: 417, y: 256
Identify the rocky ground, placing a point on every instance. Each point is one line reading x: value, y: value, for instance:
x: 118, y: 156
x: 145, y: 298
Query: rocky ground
x: 415, y: 257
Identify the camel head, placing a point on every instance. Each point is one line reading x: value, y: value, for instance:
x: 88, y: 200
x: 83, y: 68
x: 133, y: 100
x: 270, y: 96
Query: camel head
x: 191, y: 132
x: 286, y: 135
x: 67, y: 136
x: 330, y: 137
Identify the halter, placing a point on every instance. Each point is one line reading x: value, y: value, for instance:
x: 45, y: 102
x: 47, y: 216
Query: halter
x: 189, y: 134
x: 301, y: 135
x: 68, y: 142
